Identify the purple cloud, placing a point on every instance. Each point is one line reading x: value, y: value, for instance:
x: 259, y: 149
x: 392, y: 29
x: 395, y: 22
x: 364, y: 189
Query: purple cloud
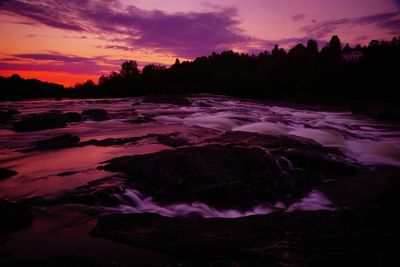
x: 59, y: 62
x: 389, y: 22
x: 56, y: 62
x: 182, y: 34
x: 40, y: 12
x: 297, y: 17
x: 189, y: 34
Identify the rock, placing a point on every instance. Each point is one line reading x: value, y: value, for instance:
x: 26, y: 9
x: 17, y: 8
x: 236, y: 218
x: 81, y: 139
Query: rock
x: 319, y: 162
x: 109, y: 141
x: 306, y: 238
x: 389, y: 198
x: 55, y: 111
x: 6, y: 173
x: 272, y: 142
x: 6, y: 116
x: 97, y: 192
x: 41, y: 121
x: 172, y: 140
x: 303, y: 153
x: 167, y: 99
x: 58, y: 142
x: 13, y: 217
x: 96, y: 114
x: 13, y: 111
x: 72, y: 117
x: 60, y: 261
x: 223, y: 176
x: 234, y: 171
x: 67, y: 173
x: 136, y: 103
x: 139, y: 118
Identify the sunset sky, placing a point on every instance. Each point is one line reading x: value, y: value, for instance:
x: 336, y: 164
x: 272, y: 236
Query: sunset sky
x: 72, y: 41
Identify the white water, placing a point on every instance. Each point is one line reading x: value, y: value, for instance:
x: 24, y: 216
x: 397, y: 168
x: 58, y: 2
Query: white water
x: 369, y: 142
x: 134, y: 202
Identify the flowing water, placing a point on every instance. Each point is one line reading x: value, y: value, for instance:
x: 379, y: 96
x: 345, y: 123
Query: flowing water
x: 363, y: 140
x: 62, y: 229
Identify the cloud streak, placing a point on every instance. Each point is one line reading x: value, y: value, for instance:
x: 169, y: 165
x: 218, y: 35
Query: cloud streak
x: 389, y: 22
x: 56, y: 62
x: 182, y: 34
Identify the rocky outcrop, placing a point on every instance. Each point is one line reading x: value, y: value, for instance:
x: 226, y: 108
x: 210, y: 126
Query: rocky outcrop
x: 237, y: 170
x: 96, y: 114
x: 44, y: 121
x: 13, y: 217
x: 6, y: 173
x: 58, y: 142
x: 301, y: 152
x: 316, y: 238
x: 6, y: 116
x: 96, y: 192
x: 41, y: 121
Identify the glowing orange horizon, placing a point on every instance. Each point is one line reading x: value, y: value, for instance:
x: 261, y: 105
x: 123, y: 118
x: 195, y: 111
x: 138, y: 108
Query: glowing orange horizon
x: 66, y: 79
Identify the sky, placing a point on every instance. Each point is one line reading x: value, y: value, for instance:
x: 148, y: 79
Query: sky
x: 70, y: 41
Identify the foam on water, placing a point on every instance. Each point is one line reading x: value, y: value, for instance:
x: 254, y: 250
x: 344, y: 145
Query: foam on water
x: 132, y: 201
x: 364, y: 140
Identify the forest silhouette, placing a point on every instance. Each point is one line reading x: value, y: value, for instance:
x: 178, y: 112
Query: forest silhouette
x: 304, y: 73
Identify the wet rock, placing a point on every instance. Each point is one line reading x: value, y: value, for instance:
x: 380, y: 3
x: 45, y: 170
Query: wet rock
x: 389, y: 198
x: 167, y: 99
x: 58, y: 142
x: 41, y: 121
x: 303, y: 153
x: 319, y: 162
x: 6, y: 173
x: 97, y: 192
x: 13, y: 217
x: 308, y: 238
x: 96, y: 114
x: 267, y: 141
x: 72, y: 117
x: 67, y: 173
x: 222, y: 176
x: 173, y: 139
x: 6, y: 116
x: 55, y: 111
x: 139, y: 118
x: 60, y: 261
x: 110, y: 141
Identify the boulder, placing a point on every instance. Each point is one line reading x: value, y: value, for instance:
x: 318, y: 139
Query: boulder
x: 98, y: 192
x: 6, y: 116
x: 58, y: 142
x: 303, y: 153
x: 13, y: 217
x: 6, y: 173
x: 96, y: 114
x: 236, y: 170
x: 303, y: 238
x: 40, y: 121
x: 223, y: 176
x: 72, y: 117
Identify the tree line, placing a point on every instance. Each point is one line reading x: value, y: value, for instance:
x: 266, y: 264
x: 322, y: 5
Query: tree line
x: 304, y: 73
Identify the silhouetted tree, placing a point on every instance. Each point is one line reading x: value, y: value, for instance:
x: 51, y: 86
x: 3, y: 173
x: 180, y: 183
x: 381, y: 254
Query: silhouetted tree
x: 303, y: 74
x: 129, y: 69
